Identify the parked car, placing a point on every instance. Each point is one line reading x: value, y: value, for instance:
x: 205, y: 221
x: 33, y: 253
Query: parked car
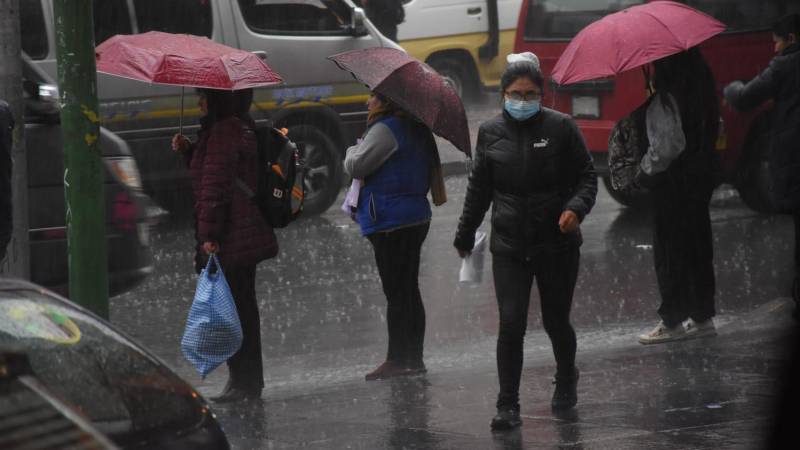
x: 33, y: 417
x: 126, y: 392
x: 129, y: 211
x: 466, y: 41
x: 546, y: 27
x: 323, y: 107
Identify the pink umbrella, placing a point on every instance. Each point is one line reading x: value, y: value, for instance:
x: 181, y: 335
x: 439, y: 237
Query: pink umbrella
x: 182, y: 60
x: 414, y: 86
x: 631, y: 38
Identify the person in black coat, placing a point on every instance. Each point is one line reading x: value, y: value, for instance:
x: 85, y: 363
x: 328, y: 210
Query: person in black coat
x: 681, y: 169
x: 6, y: 130
x: 386, y: 15
x: 781, y: 83
x: 532, y: 163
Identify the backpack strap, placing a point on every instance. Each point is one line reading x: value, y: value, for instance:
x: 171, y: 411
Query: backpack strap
x: 244, y: 188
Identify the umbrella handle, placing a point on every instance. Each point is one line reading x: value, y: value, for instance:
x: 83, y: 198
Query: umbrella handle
x: 180, y: 120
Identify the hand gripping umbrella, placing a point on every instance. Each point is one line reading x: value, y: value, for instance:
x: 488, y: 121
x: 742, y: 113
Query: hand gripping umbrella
x: 412, y: 85
x: 632, y: 38
x: 182, y: 60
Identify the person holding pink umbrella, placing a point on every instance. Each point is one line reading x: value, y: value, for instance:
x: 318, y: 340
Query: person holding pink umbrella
x: 679, y: 165
x: 679, y: 169
x: 228, y: 223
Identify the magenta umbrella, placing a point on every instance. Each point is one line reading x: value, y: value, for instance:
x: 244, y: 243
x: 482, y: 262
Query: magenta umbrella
x: 414, y: 86
x: 632, y: 38
x: 182, y: 60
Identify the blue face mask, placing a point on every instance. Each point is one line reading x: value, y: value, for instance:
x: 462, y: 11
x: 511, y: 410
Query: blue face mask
x: 522, y: 109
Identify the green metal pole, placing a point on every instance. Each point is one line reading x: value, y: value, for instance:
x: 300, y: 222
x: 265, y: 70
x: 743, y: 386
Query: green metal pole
x: 83, y: 170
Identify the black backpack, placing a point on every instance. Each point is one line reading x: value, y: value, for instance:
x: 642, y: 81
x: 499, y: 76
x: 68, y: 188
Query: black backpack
x: 279, y: 192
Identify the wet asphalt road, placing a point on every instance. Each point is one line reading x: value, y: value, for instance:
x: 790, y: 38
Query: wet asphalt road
x: 323, y: 328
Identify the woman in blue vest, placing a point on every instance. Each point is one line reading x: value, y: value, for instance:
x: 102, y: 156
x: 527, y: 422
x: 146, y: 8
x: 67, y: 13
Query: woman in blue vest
x: 394, y: 160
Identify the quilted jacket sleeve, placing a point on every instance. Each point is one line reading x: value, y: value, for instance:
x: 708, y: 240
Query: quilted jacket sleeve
x: 585, y: 189
x: 217, y: 180
x: 479, y: 195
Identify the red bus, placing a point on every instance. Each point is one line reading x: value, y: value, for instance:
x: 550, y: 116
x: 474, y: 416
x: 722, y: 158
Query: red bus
x: 545, y: 27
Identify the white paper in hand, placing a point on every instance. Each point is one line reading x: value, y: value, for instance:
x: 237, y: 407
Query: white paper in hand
x: 351, y: 198
x: 472, y: 265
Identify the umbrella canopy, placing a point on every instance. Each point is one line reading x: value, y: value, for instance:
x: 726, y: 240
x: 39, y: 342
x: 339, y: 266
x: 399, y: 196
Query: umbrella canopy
x: 412, y: 85
x: 182, y: 60
x: 631, y: 38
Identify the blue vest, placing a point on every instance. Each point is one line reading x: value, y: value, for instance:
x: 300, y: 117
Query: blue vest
x: 396, y: 194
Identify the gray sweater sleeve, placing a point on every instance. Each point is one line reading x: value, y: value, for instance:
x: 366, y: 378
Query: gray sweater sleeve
x: 367, y: 156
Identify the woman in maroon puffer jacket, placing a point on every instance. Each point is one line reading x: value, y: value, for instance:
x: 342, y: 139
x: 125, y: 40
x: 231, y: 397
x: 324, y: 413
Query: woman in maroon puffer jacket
x: 228, y: 223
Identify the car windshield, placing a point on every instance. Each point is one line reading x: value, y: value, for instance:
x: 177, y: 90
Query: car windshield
x: 92, y: 367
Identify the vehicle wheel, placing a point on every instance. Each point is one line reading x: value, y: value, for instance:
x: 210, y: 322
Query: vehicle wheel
x: 637, y: 201
x: 457, y: 75
x: 753, y: 174
x: 323, y: 162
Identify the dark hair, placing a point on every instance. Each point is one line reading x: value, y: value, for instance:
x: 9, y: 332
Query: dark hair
x: 223, y: 104
x: 521, y: 69
x: 242, y: 101
x: 391, y: 106
x: 687, y: 77
x: 786, y: 25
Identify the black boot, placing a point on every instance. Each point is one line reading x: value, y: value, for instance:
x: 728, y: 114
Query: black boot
x: 566, y: 392
x: 507, y: 418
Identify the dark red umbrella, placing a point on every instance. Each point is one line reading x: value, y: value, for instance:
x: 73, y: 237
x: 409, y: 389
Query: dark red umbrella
x: 631, y: 38
x: 414, y: 86
x: 182, y: 60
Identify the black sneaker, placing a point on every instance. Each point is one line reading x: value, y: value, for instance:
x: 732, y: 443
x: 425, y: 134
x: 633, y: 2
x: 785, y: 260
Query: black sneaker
x: 506, y: 419
x: 565, y: 395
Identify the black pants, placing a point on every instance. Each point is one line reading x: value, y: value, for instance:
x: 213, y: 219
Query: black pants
x: 245, y: 367
x: 397, y: 254
x: 556, y: 272
x: 684, y: 255
x: 797, y: 242
x: 796, y: 283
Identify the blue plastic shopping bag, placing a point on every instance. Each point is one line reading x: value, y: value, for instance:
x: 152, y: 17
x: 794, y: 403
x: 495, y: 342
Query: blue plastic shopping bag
x: 213, y: 332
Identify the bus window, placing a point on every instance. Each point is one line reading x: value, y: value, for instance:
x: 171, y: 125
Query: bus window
x: 34, y: 34
x: 746, y: 15
x: 563, y: 19
x: 174, y: 16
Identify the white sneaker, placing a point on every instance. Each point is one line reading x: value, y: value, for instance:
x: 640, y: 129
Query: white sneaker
x: 700, y: 329
x: 662, y: 333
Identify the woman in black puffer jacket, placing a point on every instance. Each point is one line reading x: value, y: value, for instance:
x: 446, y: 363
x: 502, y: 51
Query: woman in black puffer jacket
x: 533, y: 165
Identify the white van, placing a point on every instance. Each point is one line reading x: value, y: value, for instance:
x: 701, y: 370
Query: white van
x: 323, y: 107
x: 464, y: 40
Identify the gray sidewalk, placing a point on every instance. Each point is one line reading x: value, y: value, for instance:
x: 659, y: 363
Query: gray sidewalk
x: 713, y: 393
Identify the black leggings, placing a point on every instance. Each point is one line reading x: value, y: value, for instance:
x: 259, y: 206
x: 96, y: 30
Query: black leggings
x: 397, y: 254
x: 556, y: 272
